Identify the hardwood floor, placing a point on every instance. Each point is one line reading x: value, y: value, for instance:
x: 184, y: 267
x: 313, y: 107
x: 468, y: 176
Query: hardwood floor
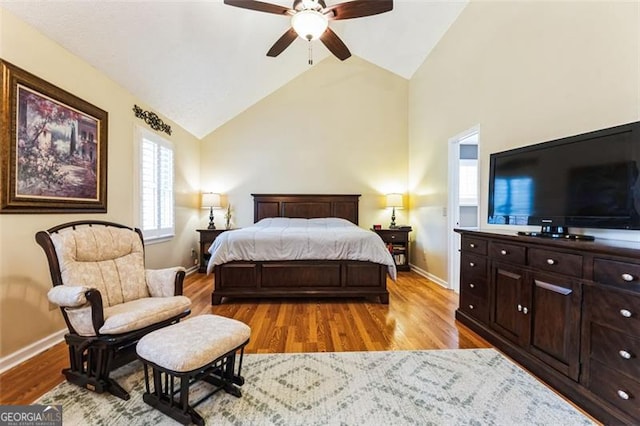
x: 420, y: 315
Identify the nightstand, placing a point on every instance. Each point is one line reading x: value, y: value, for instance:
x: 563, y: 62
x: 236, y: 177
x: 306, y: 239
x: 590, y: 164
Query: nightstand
x: 207, y: 237
x: 397, y: 241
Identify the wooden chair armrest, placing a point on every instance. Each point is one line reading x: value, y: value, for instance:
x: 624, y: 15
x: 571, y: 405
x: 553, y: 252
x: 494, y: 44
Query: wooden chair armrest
x: 179, y: 281
x: 97, y: 315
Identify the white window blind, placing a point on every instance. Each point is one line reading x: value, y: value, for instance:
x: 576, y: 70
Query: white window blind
x: 156, y: 188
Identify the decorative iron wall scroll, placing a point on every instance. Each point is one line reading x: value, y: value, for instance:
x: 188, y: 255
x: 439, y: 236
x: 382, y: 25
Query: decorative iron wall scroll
x: 152, y: 119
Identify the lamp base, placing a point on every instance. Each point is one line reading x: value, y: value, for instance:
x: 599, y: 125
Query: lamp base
x: 211, y: 224
x: 392, y: 225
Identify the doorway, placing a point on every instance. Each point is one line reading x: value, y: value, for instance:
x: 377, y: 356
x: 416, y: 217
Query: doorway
x: 463, y: 188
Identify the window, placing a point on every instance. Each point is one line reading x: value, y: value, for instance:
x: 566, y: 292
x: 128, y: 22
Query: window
x: 156, y: 187
x: 468, y: 189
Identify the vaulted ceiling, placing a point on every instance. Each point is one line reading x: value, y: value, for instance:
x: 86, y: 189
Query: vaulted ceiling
x: 200, y: 63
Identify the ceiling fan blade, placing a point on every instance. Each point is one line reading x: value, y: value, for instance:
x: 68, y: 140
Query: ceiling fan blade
x: 358, y: 8
x: 282, y: 43
x: 259, y: 6
x: 334, y: 44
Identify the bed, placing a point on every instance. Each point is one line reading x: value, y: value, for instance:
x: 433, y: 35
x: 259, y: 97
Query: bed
x: 308, y: 278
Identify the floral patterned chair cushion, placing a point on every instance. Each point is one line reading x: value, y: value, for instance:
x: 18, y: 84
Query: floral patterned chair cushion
x: 111, y: 260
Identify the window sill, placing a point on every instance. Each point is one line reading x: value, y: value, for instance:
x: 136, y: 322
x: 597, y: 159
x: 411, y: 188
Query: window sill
x: 157, y: 240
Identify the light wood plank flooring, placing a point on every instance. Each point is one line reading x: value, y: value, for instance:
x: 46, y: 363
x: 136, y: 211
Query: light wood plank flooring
x: 420, y: 315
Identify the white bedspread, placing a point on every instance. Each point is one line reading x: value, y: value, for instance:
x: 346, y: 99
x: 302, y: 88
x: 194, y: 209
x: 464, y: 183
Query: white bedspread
x: 282, y: 238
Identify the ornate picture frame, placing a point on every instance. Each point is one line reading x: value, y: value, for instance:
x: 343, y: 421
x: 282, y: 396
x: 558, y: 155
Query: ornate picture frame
x: 53, y: 147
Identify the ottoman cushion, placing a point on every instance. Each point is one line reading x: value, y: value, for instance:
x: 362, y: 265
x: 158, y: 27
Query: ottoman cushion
x: 193, y: 343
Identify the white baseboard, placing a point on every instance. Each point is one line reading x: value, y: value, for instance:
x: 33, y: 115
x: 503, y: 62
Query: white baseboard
x: 192, y: 270
x: 429, y: 276
x: 30, y: 351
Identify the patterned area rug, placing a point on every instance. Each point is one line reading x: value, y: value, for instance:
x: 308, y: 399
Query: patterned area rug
x: 461, y: 387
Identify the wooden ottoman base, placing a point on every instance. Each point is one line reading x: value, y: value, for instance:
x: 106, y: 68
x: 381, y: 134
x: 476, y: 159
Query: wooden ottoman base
x: 173, y: 361
x: 221, y: 373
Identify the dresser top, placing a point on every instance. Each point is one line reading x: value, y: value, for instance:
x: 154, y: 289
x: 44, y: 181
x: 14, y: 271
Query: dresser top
x: 600, y: 245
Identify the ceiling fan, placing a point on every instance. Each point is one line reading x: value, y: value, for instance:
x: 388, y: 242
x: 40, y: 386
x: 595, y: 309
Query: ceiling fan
x: 310, y: 20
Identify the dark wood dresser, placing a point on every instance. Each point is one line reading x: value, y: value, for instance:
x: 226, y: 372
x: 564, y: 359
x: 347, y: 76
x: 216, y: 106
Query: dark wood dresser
x: 569, y: 311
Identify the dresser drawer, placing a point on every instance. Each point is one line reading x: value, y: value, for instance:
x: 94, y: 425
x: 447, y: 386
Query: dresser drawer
x: 473, y: 276
x: 474, y: 245
x: 476, y: 287
x: 474, y: 306
x: 620, y: 274
x: 394, y: 236
x: 473, y: 266
x: 553, y: 261
x: 614, y: 308
x: 508, y: 252
x: 616, y: 350
x: 615, y: 388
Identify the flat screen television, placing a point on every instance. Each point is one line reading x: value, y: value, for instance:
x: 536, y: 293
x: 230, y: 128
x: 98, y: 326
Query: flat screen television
x: 585, y: 181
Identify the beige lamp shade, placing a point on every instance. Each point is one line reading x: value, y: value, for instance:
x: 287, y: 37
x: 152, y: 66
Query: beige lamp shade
x: 395, y: 200
x: 210, y: 200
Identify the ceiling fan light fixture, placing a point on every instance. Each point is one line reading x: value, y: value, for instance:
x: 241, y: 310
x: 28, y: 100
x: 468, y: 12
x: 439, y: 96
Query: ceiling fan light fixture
x: 310, y: 20
x: 309, y: 24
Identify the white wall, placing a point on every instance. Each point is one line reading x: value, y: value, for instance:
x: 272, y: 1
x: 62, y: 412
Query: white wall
x: 525, y: 72
x: 25, y: 314
x: 340, y: 127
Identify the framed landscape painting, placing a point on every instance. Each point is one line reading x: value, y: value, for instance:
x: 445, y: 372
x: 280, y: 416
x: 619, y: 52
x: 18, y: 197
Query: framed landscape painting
x: 53, y: 146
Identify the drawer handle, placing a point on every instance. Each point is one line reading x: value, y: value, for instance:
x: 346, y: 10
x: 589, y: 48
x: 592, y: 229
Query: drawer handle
x: 627, y: 277
x: 472, y: 285
x: 551, y: 262
x: 393, y: 237
x: 625, y: 313
x: 472, y: 245
x: 471, y: 264
x: 471, y: 307
x: 503, y: 252
x: 519, y: 308
x: 624, y: 354
x: 623, y: 395
x: 525, y: 310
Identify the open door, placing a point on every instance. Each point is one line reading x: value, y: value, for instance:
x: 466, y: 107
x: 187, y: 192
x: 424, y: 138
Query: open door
x: 463, y: 195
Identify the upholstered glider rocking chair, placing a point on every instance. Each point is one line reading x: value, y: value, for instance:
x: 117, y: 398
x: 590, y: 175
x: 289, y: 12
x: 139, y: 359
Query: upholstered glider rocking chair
x: 107, y: 298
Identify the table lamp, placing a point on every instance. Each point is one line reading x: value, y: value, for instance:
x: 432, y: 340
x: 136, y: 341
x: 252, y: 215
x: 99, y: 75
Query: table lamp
x: 394, y: 201
x: 211, y: 201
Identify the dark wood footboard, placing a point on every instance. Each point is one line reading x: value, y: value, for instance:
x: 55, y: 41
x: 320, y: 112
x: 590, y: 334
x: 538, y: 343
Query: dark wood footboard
x: 316, y: 278
x: 302, y: 278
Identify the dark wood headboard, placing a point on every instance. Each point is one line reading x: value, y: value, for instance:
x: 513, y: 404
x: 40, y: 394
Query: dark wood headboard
x: 306, y: 206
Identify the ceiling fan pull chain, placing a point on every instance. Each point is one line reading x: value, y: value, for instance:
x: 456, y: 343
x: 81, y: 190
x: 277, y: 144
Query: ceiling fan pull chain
x: 310, y: 54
